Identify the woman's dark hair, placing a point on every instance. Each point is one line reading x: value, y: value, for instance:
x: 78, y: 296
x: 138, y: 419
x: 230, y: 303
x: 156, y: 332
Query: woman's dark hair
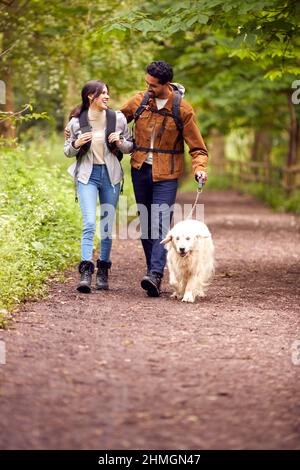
x: 161, y: 70
x: 93, y: 87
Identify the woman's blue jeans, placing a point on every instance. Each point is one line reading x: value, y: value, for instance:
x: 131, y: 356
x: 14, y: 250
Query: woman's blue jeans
x: 99, y: 185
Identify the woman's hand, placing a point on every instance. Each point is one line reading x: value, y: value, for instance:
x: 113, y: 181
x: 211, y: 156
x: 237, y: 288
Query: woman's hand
x: 83, y: 139
x: 67, y: 133
x: 114, y: 137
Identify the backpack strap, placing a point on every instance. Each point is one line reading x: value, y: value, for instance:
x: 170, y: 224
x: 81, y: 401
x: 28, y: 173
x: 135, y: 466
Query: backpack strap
x: 142, y: 106
x: 84, y: 122
x: 176, y: 110
x: 111, y: 121
x: 84, y: 126
x: 175, y: 114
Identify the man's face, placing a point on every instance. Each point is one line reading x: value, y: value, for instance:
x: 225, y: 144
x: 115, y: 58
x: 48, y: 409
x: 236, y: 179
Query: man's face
x: 154, y: 88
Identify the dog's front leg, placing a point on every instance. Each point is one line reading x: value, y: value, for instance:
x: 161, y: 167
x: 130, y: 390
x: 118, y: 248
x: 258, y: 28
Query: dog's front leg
x: 179, y: 290
x: 190, y: 290
x: 174, y: 281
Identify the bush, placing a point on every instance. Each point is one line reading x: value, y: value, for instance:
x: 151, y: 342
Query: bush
x: 39, y: 225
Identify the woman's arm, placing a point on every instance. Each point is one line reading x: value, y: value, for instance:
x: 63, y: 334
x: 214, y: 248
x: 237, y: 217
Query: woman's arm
x: 69, y: 148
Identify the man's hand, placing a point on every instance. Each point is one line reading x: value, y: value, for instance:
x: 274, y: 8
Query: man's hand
x: 201, y: 174
x: 67, y: 133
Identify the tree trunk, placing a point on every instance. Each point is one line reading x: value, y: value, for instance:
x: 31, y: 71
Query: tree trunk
x: 218, y: 152
x: 261, y: 153
x: 293, y: 148
x: 293, y: 145
x: 72, y: 97
x: 7, y: 128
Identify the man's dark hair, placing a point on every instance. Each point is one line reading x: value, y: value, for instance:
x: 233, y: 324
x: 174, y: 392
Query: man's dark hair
x: 161, y: 70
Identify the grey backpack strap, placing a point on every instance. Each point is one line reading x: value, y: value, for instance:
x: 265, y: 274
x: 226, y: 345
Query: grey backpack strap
x: 84, y: 122
x: 84, y: 127
x: 111, y: 121
x: 176, y: 110
x: 142, y: 106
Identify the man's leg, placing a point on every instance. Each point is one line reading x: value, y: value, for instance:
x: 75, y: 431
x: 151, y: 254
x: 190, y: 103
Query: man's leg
x: 142, y: 185
x: 164, y: 196
x: 163, y: 199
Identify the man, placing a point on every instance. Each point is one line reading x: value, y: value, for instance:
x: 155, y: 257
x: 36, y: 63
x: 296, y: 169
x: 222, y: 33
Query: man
x: 157, y: 162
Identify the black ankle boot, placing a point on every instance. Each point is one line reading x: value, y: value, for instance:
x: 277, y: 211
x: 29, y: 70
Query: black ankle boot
x: 102, y: 274
x: 86, y: 269
x: 151, y: 283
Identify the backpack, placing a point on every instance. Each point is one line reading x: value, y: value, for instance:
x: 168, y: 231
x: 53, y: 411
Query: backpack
x: 111, y: 119
x: 175, y: 114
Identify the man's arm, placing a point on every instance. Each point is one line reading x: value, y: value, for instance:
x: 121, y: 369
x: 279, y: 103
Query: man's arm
x: 194, y: 140
x: 131, y: 106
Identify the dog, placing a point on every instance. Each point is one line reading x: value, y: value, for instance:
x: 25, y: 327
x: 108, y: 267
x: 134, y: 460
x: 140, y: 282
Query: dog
x: 190, y: 259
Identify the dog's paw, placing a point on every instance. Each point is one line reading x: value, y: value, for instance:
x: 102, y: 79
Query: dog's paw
x: 188, y: 297
x: 175, y: 295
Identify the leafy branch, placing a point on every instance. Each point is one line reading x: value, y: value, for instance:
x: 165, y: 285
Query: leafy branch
x: 19, y: 115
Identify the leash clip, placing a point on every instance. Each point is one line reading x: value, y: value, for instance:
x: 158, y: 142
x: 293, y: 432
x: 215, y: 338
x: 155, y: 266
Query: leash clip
x: 200, y: 184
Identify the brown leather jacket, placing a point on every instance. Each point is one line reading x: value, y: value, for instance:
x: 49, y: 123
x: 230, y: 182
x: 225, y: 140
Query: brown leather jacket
x: 166, y: 165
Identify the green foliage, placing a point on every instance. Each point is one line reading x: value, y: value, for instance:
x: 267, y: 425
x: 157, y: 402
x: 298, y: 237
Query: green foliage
x: 274, y: 197
x: 24, y: 115
x: 66, y: 49
x: 40, y: 225
x: 262, y: 30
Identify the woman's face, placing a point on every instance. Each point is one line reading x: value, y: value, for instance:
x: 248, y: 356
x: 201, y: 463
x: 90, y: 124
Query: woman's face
x: 101, y: 102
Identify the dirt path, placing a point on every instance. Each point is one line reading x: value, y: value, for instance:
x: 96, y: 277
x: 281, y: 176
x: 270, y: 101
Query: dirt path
x: 120, y: 370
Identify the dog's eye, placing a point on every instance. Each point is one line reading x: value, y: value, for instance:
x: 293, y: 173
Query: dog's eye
x: 187, y: 238
x: 177, y: 238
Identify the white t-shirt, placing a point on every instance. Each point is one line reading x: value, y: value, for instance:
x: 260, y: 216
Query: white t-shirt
x: 160, y: 104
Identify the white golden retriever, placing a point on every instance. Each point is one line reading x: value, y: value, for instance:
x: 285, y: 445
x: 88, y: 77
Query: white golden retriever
x: 190, y: 259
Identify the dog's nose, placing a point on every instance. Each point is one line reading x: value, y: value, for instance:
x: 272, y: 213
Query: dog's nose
x: 182, y: 250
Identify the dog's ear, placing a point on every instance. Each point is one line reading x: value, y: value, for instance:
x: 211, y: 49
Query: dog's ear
x: 202, y: 236
x: 167, y: 239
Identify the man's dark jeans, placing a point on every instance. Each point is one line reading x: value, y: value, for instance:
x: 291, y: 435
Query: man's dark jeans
x: 155, y: 202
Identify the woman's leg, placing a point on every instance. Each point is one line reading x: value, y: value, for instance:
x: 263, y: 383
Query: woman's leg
x: 88, y: 194
x: 109, y: 197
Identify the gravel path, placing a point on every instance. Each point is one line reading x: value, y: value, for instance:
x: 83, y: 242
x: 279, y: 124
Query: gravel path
x: 119, y: 370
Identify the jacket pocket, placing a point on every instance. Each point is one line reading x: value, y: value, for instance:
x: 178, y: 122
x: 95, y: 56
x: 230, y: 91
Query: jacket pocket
x: 178, y: 164
x: 164, y: 163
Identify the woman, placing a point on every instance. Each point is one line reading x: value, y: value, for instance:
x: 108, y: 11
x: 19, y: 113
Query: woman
x: 97, y: 173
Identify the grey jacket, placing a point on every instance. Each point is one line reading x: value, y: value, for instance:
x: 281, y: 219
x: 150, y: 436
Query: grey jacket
x: 113, y: 166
